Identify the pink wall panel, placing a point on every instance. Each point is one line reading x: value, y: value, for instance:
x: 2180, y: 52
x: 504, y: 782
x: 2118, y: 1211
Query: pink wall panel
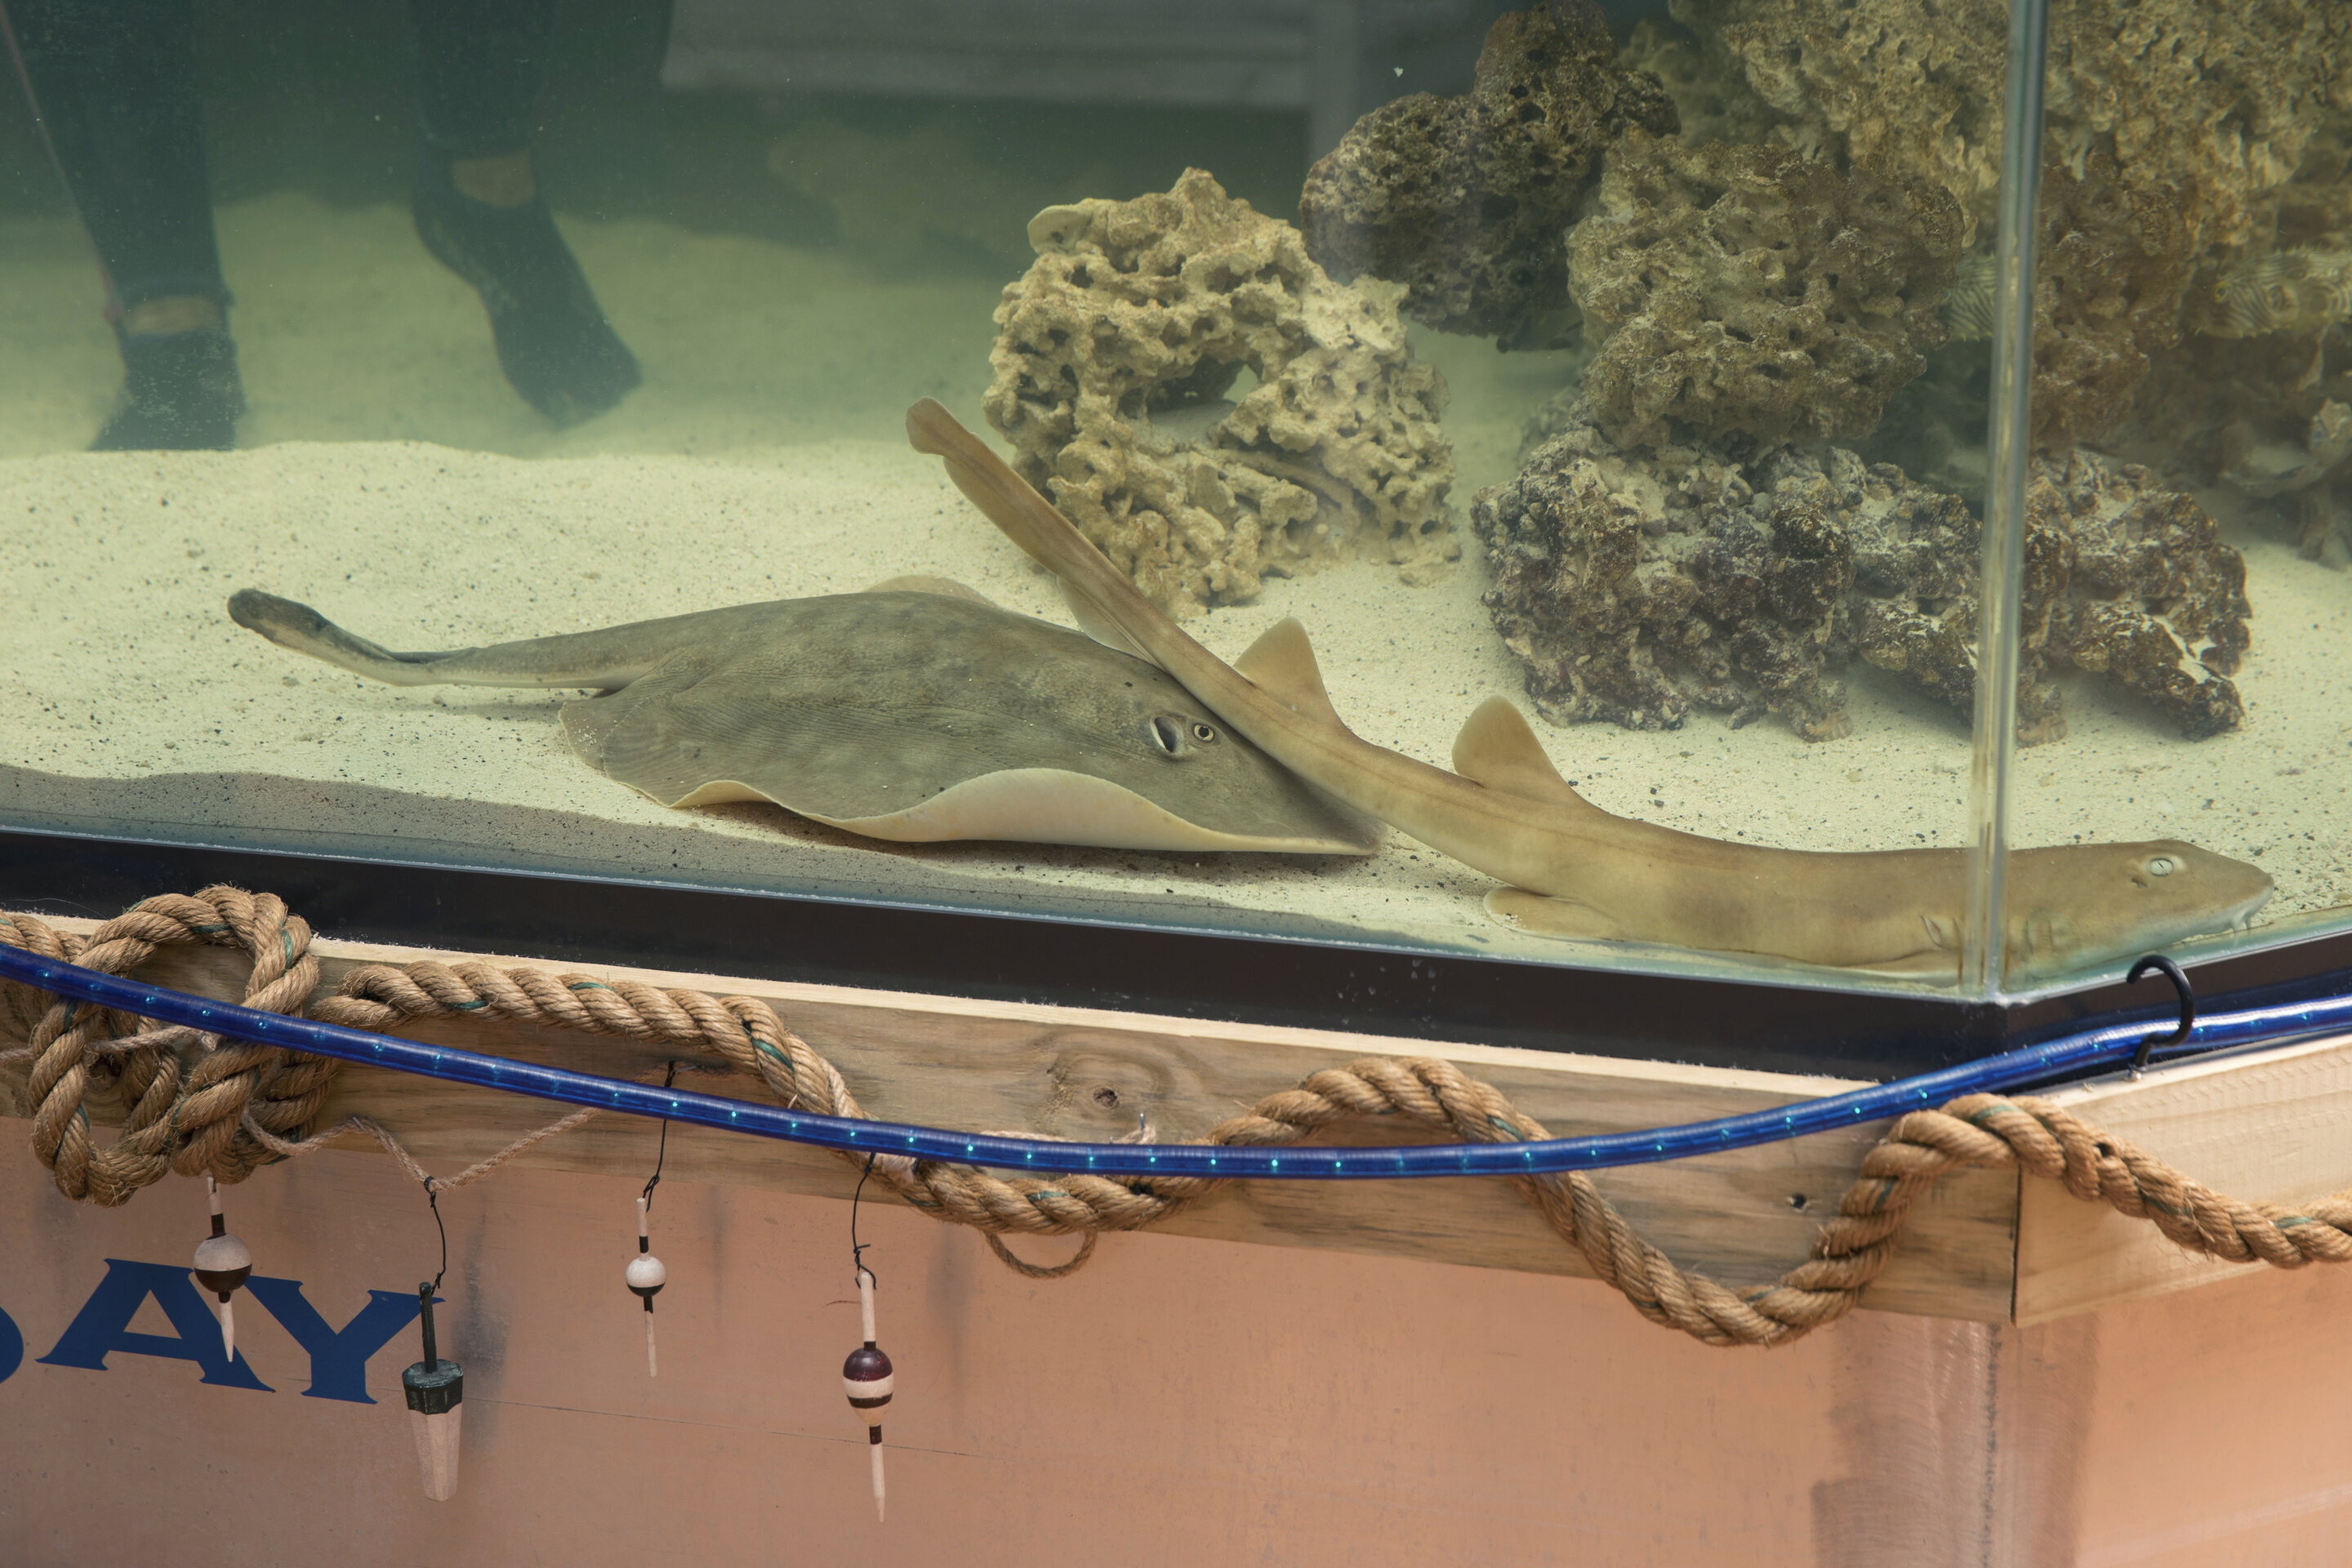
x: 1178, y: 1402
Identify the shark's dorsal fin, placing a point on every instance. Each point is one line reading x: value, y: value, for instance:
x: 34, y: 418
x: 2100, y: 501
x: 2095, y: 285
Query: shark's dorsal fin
x: 1281, y: 664
x: 1096, y: 624
x: 1496, y: 749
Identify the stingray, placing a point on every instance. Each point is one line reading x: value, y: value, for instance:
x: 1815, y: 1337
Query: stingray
x: 915, y: 711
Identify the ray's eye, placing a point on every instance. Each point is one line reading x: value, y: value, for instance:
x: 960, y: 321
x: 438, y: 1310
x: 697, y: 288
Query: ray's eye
x: 2162, y: 866
x: 1205, y: 734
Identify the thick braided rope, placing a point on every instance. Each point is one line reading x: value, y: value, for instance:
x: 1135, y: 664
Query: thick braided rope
x: 178, y: 1115
x: 1847, y: 1254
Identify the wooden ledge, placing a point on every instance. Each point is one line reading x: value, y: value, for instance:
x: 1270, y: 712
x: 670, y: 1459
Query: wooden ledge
x: 2256, y: 1126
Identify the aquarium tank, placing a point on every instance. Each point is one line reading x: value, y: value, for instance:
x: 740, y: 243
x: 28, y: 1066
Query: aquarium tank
x: 1848, y: 495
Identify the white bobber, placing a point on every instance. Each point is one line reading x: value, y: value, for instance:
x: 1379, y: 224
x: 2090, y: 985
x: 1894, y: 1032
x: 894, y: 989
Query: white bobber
x: 223, y: 1263
x: 868, y: 1378
x: 647, y: 1277
x: 436, y: 1409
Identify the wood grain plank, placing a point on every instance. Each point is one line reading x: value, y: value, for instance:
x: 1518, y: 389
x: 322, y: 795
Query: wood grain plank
x: 2269, y: 1127
x: 1082, y: 1074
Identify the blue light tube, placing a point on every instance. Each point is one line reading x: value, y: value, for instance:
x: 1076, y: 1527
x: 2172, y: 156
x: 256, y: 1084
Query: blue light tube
x: 2067, y: 1056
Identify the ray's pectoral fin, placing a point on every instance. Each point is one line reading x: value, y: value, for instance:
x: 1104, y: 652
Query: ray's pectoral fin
x: 1545, y: 916
x: 1281, y: 663
x: 924, y: 583
x: 631, y: 736
x: 1496, y: 748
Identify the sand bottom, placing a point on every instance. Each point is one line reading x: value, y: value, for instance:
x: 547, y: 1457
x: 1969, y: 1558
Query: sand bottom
x: 762, y: 460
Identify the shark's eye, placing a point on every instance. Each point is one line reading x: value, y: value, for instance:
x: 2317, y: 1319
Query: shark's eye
x: 1204, y: 733
x: 2162, y: 866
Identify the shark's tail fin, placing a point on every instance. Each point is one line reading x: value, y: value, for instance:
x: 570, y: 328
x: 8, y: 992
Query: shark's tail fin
x: 1027, y: 517
x: 305, y: 631
x: 1006, y: 500
x: 1496, y: 749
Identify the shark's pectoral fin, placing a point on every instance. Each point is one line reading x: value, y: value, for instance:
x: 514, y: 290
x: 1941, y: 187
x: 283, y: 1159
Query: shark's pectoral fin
x: 2042, y: 939
x: 1098, y: 625
x: 1496, y: 749
x: 1281, y: 664
x: 1547, y: 916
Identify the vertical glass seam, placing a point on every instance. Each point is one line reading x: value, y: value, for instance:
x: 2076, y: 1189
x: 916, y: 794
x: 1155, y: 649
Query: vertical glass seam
x: 1999, y: 608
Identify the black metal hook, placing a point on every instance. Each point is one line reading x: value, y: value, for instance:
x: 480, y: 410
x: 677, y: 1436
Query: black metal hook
x: 856, y: 1247
x: 2188, y: 1007
x: 660, y: 1155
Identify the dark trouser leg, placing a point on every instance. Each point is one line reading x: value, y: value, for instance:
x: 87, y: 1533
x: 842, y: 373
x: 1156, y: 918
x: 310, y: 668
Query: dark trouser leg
x: 116, y: 89
x: 480, y: 67
x: 479, y: 64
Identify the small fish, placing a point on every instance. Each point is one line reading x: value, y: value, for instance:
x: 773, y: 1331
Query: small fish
x: 1577, y: 872
x: 1968, y: 305
x: 2305, y: 289
x: 915, y: 711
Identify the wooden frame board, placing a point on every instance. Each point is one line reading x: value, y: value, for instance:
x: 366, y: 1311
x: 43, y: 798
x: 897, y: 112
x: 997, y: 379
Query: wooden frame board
x: 1983, y: 1246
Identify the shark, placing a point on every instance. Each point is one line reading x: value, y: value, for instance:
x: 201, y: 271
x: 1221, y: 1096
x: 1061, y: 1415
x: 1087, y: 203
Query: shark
x: 1573, y: 870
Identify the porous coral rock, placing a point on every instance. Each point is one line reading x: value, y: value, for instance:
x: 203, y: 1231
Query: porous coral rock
x: 1752, y: 288
x: 2113, y: 264
x: 1634, y: 583
x: 2202, y: 135
x: 1742, y: 575
x: 2250, y: 411
x: 1713, y: 104
x: 2221, y: 101
x: 1114, y: 354
x: 1463, y: 199
x: 2153, y: 599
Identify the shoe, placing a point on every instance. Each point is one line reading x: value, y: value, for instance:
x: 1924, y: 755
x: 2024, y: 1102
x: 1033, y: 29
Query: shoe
x: 181, y: 393
x: 553, y: 342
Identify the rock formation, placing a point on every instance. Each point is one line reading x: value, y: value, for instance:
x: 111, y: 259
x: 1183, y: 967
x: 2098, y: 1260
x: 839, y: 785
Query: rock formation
x: 1744, y: 575
x: 1463, y: 200
x: 1754, y: 289
x: 1115, y: 357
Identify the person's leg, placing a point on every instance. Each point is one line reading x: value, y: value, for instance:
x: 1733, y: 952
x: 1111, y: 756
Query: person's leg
x: 116, y: 92
x: 479, y: 64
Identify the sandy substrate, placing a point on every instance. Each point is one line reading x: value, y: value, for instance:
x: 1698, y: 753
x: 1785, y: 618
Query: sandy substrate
x: 762, y: 460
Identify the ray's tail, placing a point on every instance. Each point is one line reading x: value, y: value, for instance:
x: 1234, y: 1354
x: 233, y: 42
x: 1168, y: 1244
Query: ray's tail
x: 610, y: 658
x: 305, y: 631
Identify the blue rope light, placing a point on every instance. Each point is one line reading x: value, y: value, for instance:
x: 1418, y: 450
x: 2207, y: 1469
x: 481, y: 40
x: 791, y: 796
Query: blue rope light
x: 2067, y: 1056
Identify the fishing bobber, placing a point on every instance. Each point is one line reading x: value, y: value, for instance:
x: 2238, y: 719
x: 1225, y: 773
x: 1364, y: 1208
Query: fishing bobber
x: 436, y: 1394
x: 866, y: 1378
x: 223, y: 1263
x: 647, y: 1277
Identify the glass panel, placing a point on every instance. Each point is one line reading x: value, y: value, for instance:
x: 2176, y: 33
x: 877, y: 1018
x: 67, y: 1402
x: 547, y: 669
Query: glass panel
x: 526, y: 321
x: 2184, y: 639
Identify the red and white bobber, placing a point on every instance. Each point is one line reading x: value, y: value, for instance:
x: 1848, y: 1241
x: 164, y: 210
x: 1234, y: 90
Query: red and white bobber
x: 223, y: 1263
x: 866, y: 1378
